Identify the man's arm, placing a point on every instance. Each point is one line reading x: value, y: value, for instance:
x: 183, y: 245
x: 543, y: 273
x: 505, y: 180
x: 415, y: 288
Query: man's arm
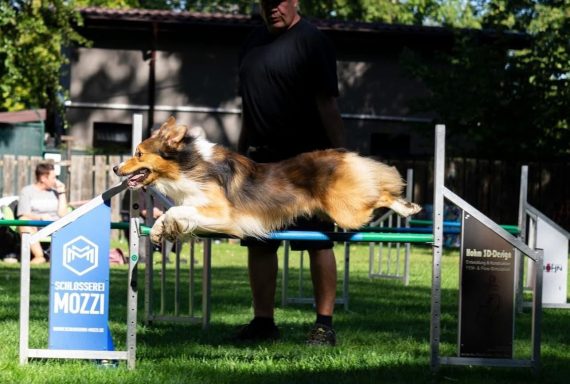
x: 242, y: 145
x: 62, y: 208
x: 332, y: 121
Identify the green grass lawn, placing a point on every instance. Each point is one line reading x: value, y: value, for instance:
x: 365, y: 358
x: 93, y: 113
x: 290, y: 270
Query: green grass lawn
x: 382, y: 338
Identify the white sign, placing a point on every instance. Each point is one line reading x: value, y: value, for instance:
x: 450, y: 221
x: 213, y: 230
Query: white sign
x: 56, y: 157
x: 555, y: 277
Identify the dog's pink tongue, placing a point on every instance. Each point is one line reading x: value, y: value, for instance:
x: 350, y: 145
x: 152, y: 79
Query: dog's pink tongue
x: 134, y: 180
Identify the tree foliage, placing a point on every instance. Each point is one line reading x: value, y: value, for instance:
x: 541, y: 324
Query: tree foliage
x: 506, y: 103
x: 455, y: 13
x: 32, y: 34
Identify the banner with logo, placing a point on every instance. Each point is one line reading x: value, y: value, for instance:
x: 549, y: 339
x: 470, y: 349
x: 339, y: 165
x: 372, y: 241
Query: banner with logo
x: 555, y: 276
x: 487, y: 292
x: 79, y: 283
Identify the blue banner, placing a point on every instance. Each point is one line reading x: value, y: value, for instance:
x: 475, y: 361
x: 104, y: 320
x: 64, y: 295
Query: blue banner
x: 79, y: 283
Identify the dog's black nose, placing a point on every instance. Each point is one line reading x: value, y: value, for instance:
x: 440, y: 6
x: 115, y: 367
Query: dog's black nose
x: 116, y: 169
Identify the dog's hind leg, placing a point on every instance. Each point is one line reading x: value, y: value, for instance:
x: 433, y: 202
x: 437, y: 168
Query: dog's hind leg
x: 350, y: 218
x: 397, y: 204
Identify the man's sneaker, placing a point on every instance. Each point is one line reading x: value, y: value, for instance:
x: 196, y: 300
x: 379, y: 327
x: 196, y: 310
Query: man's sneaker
x: 253, y: 332
x: 321, y: 335
x: 10, y: 260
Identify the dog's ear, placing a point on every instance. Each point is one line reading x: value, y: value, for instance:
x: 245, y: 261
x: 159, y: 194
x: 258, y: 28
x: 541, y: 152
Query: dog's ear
x: 171, y: 122
x: 168, y: 124
x: 197, y: 132
x: 172, y: 133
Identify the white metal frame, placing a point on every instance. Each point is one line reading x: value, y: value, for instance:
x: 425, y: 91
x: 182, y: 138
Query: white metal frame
x: 301, y: 298
x: 132, y: 291
x: 527, y: 222
x: 391, y: 266
x: 150, y: 314
x: 537, y: 255
x: 27, y: 239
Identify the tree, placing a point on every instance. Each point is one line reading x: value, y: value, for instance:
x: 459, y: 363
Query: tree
x: 505, y: 102
x: 32, y: 34
x: 419, y: 12
x: 502, y: 100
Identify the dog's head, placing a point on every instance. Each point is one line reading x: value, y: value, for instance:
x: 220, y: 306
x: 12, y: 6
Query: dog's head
x: 164, y: 155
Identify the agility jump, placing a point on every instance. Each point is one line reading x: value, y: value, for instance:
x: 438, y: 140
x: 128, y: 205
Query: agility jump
x: 137, y: 230
x: 438, y: 227
x: 537, y: 256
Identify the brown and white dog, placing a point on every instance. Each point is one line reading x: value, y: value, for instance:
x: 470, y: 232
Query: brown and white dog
x: 217, y: 190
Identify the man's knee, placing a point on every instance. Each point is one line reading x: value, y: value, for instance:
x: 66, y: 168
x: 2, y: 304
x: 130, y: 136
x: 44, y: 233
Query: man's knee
x: 321, y: 253
x: 30, y: 230
x: 262, y: 251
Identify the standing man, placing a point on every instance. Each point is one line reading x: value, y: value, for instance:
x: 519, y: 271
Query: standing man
x: 44, y: 200
x: 288, y: 85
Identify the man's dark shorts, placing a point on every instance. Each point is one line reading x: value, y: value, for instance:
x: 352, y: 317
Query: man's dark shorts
x: 301, y: 224
x: 265, y: 155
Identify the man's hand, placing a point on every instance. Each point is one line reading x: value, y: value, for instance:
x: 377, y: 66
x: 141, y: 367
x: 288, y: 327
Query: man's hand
x: 59, y: 186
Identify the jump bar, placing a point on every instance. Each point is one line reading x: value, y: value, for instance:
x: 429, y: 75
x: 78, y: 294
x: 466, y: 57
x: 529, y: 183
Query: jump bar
x: 41, y: 223
x: 282, y: 235
x: 512, y: 229
x: 333, y: 236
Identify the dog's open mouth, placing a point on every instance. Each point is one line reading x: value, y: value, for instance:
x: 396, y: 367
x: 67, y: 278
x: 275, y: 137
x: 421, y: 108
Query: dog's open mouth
x: 136, y: 179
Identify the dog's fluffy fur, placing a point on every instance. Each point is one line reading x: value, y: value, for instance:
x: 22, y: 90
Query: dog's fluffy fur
x: 217, y: 190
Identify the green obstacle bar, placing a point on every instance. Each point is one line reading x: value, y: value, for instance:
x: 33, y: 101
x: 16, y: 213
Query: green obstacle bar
x: 512, y: 229
x: 40, y: 223
x: 335, y: 236
x: 281, y: 235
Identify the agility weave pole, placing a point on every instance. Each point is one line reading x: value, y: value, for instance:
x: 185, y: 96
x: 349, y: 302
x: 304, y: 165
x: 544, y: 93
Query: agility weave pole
x: 537, y: 256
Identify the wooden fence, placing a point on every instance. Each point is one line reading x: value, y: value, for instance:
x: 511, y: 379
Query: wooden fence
x: 491, y: 186
x: 84, y: 175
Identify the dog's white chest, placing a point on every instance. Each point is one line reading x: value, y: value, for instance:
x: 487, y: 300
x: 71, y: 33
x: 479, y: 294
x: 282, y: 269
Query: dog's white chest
x: 184, y: 192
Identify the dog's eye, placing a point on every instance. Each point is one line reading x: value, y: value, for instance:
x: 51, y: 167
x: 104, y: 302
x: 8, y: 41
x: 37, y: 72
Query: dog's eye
x: 138, y: 154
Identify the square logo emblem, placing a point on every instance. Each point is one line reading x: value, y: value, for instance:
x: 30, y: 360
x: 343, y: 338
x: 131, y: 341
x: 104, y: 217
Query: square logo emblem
x: 80, y: 255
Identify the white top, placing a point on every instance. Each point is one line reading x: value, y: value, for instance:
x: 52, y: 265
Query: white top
x: 38, y: 202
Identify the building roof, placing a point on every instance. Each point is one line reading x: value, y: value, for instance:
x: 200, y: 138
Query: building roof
x: 23, y: 116
x: 167, y: 19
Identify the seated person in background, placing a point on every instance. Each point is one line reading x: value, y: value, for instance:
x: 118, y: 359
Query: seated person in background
x: 44, y: 200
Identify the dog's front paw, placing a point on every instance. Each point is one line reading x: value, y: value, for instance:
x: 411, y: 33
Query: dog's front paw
x: 157, y: 231
x: 172, y: 226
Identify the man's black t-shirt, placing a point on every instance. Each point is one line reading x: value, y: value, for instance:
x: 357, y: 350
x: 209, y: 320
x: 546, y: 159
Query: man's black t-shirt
x: 280, y: 76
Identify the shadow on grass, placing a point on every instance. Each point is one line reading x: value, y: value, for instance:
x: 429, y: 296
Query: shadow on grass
x: 384, y: 337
